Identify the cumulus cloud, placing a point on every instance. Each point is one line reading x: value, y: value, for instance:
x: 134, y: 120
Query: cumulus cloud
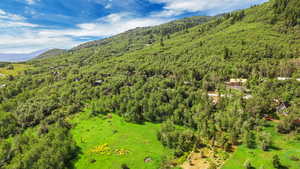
x: 31, y: 2
x: 28, y: 40
x: 177, y: 7
x: 8, y: 20
x: 106, y: 26
x: 9, y: 16
x: 17, y: 34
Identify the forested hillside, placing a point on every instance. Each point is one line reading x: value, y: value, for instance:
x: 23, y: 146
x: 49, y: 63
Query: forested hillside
x: 164, y: 74
x: 51, y: 52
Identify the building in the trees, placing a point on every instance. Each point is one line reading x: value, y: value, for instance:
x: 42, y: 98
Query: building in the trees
x: 286, y: 78
x: 2, y: 86
x: 281, y: 108
x: 98, y: 82
x: 297, y: 122
x: 236, y: 84
x: 215, y: 96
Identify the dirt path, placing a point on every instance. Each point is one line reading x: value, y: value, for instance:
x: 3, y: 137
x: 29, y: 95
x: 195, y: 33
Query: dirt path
x: 195, y: 162
x: 202, y: 159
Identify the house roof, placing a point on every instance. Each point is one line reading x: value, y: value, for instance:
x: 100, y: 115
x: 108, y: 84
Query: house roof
x: 287, y: 78
x: 238, y: 80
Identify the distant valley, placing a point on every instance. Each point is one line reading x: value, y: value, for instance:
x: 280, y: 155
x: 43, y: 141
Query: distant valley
x: 21, y: 57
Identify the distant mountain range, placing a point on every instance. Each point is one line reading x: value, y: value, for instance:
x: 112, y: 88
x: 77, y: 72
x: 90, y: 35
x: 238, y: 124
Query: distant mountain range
x: 20, y: 57
x: 51, y: 52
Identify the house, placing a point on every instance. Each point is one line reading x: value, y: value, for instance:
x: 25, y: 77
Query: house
x: 2, y: 86
x: 215, y: 96
x: 187, y: 83
x: 282, y: 109
x: 268, y: 117
x: 236, y: 84
x: 297, y: 122
x: 76, y: 79
x: 283, y: 78
x: 98, y: 82
x: 248, y: 96
x: 286, y: 78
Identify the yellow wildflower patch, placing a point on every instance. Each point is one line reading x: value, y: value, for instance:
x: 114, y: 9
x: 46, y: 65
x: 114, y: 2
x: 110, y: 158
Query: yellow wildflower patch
x: 103, y: 149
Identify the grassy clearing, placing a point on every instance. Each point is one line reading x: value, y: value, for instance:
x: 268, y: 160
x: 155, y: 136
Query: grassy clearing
x: 17, y: 69
x: 284, y: 145
x: 108, y: 143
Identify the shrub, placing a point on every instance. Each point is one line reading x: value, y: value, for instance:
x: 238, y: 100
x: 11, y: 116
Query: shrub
x: 247, y: 164
x: 124, y: 166
x: 276, y: 161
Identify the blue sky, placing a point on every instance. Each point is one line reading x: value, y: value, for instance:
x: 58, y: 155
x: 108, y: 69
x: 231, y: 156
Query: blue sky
x: 30, y: 25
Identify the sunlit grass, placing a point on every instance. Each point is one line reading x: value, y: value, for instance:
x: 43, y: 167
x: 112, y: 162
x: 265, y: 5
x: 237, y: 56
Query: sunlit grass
x: 109, y: 143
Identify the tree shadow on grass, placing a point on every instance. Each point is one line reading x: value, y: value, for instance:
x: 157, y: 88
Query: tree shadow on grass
x: 274, y: 148
x: 283, y: 167
x: 75, y: 157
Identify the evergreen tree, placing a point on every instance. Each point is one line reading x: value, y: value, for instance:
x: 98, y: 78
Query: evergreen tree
x: 162, y: 42
x: 249, y: 139
x: 276, y: 162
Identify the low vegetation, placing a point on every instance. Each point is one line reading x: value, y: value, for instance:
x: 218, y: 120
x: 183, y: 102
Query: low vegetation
x: 157, y: 81
x: 286, y: 147
x: 107, y: 141
x: 12, y: 69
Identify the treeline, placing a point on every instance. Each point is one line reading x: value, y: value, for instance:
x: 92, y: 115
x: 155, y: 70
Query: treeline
x: 49, y: 148
x: 231, y: 121
x: 158, y: 83
x: 289, y: 9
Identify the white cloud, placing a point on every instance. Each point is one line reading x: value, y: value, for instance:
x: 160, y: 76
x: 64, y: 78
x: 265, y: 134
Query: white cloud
x: 18, y: 35
x: 28, y: 40
x: 9, y: 16
x: 108, y: 6
x: 115, y: 17
x: 166, y: 13
x: 114, y: 24
x: 10, y: 24
x: 176, y: 7
x: 9, y: 20
x: 31, y: 2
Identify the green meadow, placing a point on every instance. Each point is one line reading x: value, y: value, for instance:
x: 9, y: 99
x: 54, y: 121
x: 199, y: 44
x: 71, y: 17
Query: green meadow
x: 120, y: 143
x: 17, y: 69
x: 285, y: 146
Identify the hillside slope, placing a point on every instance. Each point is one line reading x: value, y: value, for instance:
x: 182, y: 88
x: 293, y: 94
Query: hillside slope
x: 165, y: 81
x: 51, y: 53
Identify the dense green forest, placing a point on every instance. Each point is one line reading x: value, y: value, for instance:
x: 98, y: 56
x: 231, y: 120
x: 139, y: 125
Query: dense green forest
x: 163, y: 75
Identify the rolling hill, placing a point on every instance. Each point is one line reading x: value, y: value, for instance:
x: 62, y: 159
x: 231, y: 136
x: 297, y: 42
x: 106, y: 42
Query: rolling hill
x: 19, y: 57
x: 162, y: 75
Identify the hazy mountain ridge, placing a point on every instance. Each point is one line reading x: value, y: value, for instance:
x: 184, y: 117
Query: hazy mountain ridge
x: 51, y: 53
x: 152, y: 75
x: 17, y: 57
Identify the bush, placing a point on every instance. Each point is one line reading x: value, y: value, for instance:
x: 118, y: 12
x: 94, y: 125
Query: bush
x: 124, y: 166
x: 10, y: 67
x: 276, y: 162
x: 8, y: 124
x: 294, y: 158
x: 249, y: 139
x: 266, y: 141
x: 247, y: 164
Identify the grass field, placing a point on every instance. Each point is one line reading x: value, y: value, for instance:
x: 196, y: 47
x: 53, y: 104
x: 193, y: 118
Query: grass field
x: 109, y: 143
x: 18, y: 68
x: 284, y: 145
